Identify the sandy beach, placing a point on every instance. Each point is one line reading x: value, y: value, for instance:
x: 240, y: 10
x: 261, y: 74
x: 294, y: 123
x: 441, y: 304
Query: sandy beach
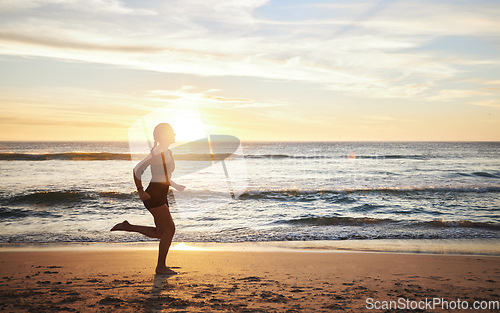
x: 239, y: 281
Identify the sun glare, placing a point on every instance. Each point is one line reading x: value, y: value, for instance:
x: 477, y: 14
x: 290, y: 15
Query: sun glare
x: 184, y: 246
x: 188, y: 128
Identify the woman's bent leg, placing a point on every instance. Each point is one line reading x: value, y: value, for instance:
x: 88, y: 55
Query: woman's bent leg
x: 149, y: 231
x: 165, y: 228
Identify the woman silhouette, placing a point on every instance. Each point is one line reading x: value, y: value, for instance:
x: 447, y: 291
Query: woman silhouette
x: 155, y: 196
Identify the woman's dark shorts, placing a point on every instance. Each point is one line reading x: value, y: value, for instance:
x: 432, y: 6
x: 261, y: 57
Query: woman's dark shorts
x: 158, y: 193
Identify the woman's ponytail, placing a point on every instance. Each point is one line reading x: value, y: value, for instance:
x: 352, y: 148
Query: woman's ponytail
x: 154, y: 146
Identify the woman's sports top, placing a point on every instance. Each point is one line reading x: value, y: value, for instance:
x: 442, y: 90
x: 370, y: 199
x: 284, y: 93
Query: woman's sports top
x: 155, y: 161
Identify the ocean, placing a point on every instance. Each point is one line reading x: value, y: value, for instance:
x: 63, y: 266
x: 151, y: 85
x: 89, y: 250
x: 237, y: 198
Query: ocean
x: 54, y: 192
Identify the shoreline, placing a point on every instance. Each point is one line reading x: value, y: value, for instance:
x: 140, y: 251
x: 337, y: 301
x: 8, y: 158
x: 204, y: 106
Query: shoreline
x: 479, y: 247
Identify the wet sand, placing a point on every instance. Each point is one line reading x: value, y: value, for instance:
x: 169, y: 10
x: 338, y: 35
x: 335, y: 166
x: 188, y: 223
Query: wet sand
x: 235, y: 281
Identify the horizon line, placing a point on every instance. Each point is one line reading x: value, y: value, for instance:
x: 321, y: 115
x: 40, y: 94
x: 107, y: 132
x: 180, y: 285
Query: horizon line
x: 252, y: 140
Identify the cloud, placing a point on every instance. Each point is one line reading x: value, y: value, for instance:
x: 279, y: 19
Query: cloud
x: 450, y: 94
x: 381, y: 119
x: 72, y: 43
x: 225, y: 99
x: 376, y: 53
x: 189, y: 94
x: 93, y: 6
x: 66, y: 106
x: 434, y: 19
x: 493, y: 103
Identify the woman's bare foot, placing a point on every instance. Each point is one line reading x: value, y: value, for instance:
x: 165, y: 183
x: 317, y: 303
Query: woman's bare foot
x: 125, y: 225
x: 164, y: 271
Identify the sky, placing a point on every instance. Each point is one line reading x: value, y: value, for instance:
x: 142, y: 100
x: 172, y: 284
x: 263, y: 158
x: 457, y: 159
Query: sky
x: 259, y: 70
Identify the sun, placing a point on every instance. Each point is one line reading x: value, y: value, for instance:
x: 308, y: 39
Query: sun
x: 188, y: 127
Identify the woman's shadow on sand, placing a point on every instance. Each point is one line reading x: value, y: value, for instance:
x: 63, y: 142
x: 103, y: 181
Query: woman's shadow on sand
x: 160, y: 282
x: 158, y: 300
